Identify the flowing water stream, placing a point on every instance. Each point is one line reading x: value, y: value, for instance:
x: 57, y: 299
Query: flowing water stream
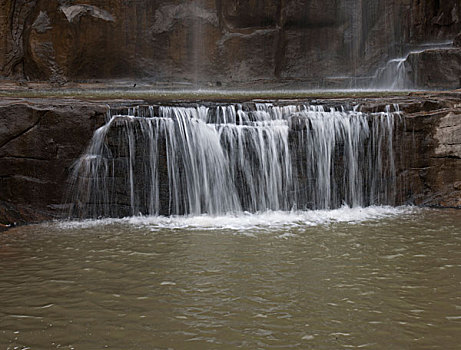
x: 373, y: 278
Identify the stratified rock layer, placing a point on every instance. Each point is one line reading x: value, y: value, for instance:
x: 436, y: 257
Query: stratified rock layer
x: 207, y: 41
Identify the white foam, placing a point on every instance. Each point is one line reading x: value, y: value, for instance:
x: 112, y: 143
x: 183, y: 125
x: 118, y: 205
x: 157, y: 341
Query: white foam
x: 267, y: 221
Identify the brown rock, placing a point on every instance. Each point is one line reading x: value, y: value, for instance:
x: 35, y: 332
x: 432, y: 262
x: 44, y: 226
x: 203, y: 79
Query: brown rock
x: 240, y: 15
x: 436, y: 69
x: 457, y: 41
x: 38, y: 144
x: 14, y: 16
x: 205, y: 41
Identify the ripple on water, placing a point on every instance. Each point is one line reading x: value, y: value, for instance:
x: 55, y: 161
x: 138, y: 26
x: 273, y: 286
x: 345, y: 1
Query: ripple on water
x: 378, y: 278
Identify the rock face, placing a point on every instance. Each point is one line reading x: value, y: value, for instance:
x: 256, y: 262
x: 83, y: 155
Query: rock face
x: 428, y: 148
x: 445, y: 74
x: 38, y: 144
x: 41, y: 139
x: 206, y: 41
x: 434, y: 171
x: 457, y: 41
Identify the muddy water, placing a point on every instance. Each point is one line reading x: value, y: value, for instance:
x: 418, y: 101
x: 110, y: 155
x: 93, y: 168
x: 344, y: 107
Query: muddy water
x: 378, y: 278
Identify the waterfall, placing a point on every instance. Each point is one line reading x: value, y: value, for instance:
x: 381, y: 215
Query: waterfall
x: 167, y: 160
x: 394, y: 75
x: 398, y: 73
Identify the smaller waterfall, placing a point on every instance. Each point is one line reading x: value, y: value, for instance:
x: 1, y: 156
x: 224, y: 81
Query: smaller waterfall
x: 164, y: 160
x: 397, y: 73
x: 394, y: 75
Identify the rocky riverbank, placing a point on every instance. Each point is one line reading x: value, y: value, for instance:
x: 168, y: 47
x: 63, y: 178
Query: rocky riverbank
x: 40, y: 139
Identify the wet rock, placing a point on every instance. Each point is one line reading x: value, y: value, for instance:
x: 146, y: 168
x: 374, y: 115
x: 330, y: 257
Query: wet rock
x: 457, y: 41
x: 38, y: 144
x: 436, y: 69
x: 313, y: 41
x: 255, y: 52
x: 14, y: 214
x: 168, y: 16
x: 434, y: 169
x: 448, y: 135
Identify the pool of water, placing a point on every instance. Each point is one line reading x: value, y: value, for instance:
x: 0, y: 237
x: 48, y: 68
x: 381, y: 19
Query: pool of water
x: 377, y: 278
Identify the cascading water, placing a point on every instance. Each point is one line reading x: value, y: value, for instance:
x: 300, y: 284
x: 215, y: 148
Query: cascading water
x: 232, y: 158
x: 397, y: 73
x: 394, y: 76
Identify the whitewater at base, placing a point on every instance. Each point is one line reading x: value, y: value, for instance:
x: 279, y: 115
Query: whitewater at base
x: 248, y: 223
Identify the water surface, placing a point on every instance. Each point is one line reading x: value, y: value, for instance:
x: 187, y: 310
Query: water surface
x: 377, y: 278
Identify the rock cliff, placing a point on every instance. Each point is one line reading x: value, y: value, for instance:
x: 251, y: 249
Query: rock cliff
x: 207, y: 41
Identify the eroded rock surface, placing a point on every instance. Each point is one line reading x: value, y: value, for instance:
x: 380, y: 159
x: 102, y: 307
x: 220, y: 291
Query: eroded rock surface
x: 436, y: 69
x: 433, y: 170
x: 39, y: 140
x: 448, y: 135
x: 74, y: 12
x: 457, y: 41
x: 207, y: 41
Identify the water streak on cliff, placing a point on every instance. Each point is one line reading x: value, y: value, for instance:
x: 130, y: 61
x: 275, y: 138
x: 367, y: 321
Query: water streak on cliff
x: 399, y: 73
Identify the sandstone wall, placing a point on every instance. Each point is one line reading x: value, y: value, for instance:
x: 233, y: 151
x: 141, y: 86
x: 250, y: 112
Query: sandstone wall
x: 214, y: 40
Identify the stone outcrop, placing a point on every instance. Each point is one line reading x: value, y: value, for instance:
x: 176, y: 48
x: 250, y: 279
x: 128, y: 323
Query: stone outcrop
x: 14, y: 16
x: 433, y: 20
x: 446, y: 73
x: 40, y: 139
x: 208, y: 41
x: 434, y: 169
